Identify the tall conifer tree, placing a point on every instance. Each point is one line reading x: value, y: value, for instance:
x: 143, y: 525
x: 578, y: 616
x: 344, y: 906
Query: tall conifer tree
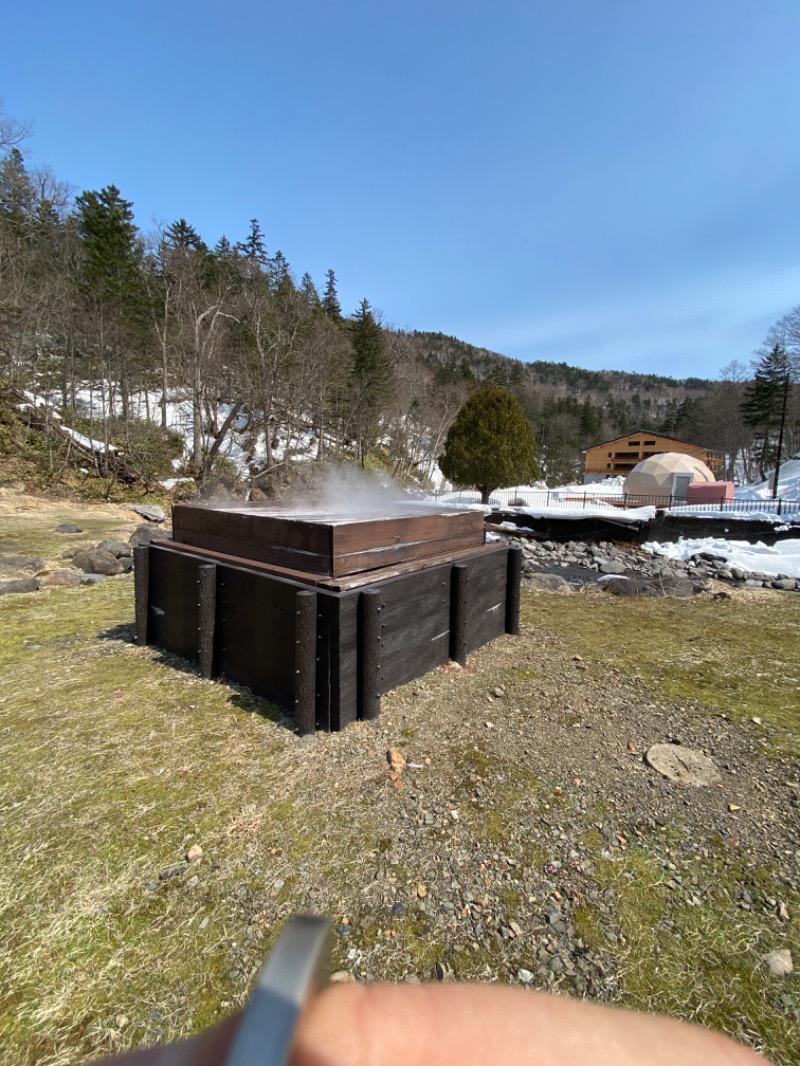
x: 330, y: 298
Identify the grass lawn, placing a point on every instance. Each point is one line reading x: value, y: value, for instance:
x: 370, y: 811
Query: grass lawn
x: 117, y: 759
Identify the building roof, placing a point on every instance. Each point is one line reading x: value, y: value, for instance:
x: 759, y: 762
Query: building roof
x: 647, y: 433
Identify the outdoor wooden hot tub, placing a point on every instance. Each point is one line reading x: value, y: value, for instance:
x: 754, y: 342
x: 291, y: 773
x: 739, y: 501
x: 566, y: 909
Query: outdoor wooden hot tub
x: 323, y: 612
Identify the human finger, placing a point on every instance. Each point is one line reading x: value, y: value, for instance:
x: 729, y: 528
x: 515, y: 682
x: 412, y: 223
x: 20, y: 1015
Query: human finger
x: 473, y: 1025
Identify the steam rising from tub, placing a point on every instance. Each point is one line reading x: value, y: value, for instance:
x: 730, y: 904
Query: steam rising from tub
x: 349, y: 490
x: 342, y: 490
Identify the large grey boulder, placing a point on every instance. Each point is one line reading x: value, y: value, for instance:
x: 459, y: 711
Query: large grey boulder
x: 649, y: 586
x: 612, y: 566
x: 144, y: 533
x: 115, y: 547
x: 550, y: 582
x: 97, y: 561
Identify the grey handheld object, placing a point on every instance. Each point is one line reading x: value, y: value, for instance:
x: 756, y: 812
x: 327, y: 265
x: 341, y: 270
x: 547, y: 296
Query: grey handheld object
x: 295, y: 969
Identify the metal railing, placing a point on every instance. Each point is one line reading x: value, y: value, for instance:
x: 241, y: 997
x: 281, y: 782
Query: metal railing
x: 570, y: 499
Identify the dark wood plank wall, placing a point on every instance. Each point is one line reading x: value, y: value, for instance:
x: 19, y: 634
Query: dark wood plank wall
x: 275, y: 554
x: 415, y: 625
x: 344, y: 658
x: 314, y: 537
x: 379, y: 558
x: 173, y: 621
x: 372, y: 545
x: 255, y: 631
x: 331, y: 548
x: 340, y: 584
x: 304, y: 545
x: 256, y: 616
x: 385, y: 532
x: 486, y: 602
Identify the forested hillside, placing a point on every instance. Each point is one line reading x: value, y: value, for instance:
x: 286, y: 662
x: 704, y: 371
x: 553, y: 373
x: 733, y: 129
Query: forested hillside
x: 109, y: 327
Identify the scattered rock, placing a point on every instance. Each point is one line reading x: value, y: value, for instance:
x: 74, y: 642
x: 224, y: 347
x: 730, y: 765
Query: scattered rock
x: 651, y: 586
x: 395, y: 759
x: 115, y: 548
x: 60, y: 579
x: 173, y: 871
x: 68, y: 527
x: 194, y: 852
x: 151, y: 511
x: 549, y: 582
x: 92, y: 579
x: 23, y: 584
x: 685, y: 765
x: 97, y: 561
x: 612, y: 566
x: 778, y: 962
x: 144, y: 533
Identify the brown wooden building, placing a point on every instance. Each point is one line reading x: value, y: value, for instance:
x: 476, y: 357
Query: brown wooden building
x: 617, y: 457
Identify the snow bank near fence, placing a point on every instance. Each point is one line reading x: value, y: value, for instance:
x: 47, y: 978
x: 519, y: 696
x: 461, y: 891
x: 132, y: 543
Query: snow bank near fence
x: 779, y: 560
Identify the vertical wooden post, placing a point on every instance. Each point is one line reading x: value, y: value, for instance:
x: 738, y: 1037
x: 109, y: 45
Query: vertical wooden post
x: 305, y: 661
x: 369, y: 658
x: 141, y: 588
x: 513, y: 582
x: 207, y: 590
x: 459, y: 594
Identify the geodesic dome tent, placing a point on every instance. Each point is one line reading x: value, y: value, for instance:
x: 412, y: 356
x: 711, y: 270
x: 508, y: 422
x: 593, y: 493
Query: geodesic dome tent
x: 656, y: 476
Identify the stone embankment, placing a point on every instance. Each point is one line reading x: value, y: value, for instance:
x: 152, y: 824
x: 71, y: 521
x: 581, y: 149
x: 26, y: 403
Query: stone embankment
x: 629, y: 571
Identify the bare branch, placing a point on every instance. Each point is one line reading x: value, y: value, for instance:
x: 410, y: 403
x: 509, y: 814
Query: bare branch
x: 11, y: 131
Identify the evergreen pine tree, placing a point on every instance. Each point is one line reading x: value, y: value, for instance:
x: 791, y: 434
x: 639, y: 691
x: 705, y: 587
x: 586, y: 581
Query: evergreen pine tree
x: 17, y: 194
x: 280, y: 276
x: 490, y: 444
x: 253, y: 248
x: 111, y: 250
x: 371, y: 374
x: 183, y: 236
x: 330, y: 299
x: 112, y: 286
x: 764, y: 403
x: 309, y: 291
x: 223, y: 249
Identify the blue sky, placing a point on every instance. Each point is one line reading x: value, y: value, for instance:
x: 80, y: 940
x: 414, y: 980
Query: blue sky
x: 608, y: 183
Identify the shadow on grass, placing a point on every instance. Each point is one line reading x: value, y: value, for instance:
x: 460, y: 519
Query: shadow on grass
x: 241, y: 697
x: 124, y: 632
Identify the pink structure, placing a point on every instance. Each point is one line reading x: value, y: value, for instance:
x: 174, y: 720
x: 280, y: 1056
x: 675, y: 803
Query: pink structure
x: 709, y: 492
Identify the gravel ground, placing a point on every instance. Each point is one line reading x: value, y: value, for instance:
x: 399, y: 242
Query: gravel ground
x: 497, y: 835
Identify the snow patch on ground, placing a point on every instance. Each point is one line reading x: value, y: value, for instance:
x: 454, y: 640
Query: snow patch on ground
x: 778, y: 560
